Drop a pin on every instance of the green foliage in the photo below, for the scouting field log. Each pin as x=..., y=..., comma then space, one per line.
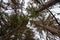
x=29, y=35
x=44, y=18
x=14, y=26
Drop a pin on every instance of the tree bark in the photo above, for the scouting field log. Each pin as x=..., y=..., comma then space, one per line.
x=47, y=5
x=54, y=31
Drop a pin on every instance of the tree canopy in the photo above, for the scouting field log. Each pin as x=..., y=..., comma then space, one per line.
x=13, y=26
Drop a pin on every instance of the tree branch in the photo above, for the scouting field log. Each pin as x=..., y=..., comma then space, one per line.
x=54, y=17
x=47, y=5
x=50, y=29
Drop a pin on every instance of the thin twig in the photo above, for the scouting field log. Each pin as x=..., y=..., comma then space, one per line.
x=54, y=17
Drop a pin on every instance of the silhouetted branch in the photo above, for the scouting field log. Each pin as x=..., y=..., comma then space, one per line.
x=54, y=17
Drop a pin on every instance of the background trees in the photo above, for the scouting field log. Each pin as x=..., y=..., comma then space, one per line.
x=14, y=26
